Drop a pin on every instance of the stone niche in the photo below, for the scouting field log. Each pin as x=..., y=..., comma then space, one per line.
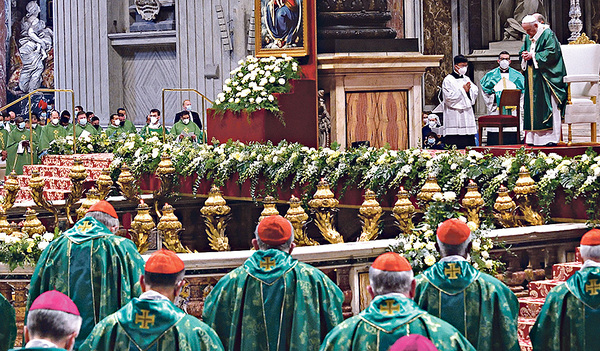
x=152, y=15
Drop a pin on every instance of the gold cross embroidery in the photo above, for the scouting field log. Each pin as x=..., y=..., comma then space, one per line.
x=85, y=226
x=144, y=319
x=390, y=307
x=23, y=137
x=452, y=271
x=55, y=133
x=267, y=263
x=592, y=287
x=186, y=130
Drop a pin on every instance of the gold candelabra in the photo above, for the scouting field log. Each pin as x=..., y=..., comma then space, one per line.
x=504, y=208
x=472, y=203
x=92, y=196
x=78, y=175
x=32, y=225
x=370, y=217
x=104, y=183
x=11, y=189
x=324, y=206
x=36, y=189
x=269, y=208
x=298, y=217
x=525, y=191
x=429, y=189
x=165, y=173
x=141, y=226
x=169, y=228
x=216, y=214
x=404, y=211
x=4, y=225
x=127, y=185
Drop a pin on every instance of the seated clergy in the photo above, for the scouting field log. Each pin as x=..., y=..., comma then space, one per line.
x=152, y=321
x=570, y=316
x=392, y=314
x=480, y=306
x=98, y=270
x=185, y=129
x=273, y=301
x=498, y=79
x=154, y=127
x=83, y=126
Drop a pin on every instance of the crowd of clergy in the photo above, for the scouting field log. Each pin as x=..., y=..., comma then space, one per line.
x=23, y=140
x=92, y=290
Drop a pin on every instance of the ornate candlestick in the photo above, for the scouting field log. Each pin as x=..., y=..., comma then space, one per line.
x=104, y=183
x=505, y=208
x=141, y=226
x=127, y=185
x=169, y=228
x=216, y=214
x=370, y=216
x=472, y=203
x=36, y=189
x=298, y=217
x=575, y=23
x=11, y=189
x=269, y=208
x=404, y=211
x=165, y=173
x=429, y=189
x=78, y=174
x=91, y=197
x=32, y=225
x=4, y=225
x=525, y=190
x=323, y=206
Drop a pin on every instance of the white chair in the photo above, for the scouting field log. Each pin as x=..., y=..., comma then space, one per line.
x=583, y=77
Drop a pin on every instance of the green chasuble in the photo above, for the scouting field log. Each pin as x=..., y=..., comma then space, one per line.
x=151, y=325
x=129, y=127
x=88, y=127
x=99, y=271
x=490, y=79
x=39, y=349
x=480, y=306
x=49, y=133
x=3, y=138
x=570, y=317
x=13, y=159
x=147, y=132
x=543, y=82
x=113, y=131
x=388, y=318
x=186, y=130
x=273, y=302
x=8, y=326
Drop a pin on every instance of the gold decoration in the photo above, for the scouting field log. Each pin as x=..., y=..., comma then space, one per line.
x=104, y=183
x=32, y=225
x=324, y=205
x=429, y=189
x=403, y=211
x=91, y=197
x=583, y=39
x=525, y=191
x=298, y=217
x=165, y=173
x=4, y=225
x=127, y=185
x=270, y=208
x=11, y=189
x=169, y=228
x=141, y=226
x=505, y=208
x=78, y=174
x=36, y=189
x=472, y=203
x=216, y=214
x=370, y=216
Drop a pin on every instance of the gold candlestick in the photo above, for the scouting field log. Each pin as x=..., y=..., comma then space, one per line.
x=104, y=183
x=78, y=174
x=165, y=172
x=92, y=196
x=370, y=216
x=269, y=208
x=141, y=226
x=169, y=228
x=32, y=225
x=11, y=189
x=323, y=206
x=429, y=189
x=4, y=225
x=127, y=185
x=216, y=214
x=472, y=203
x=36, y=189
x=505, y=208
x=404, y=212
x=525, y=191
x=298, y=217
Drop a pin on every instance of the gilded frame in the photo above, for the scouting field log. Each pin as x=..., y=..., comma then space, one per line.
x=265, y=39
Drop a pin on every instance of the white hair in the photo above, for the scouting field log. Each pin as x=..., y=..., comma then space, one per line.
x=104, y=218
x=283, y=247
x=449, y=250
x=52, y=325
x=529, y=19
x=384, y=282
x=589, y=252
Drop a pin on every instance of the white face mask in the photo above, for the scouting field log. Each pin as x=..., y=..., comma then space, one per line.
x=462, y=71
x=188, y=107
x=432, y=124
x=83, y=121
x=55, y=121
x=153, y=120
x=34, y=125
x=117, y=122
x=504, y=64
x=21, y=125
x=430, y=141
x=185, y=120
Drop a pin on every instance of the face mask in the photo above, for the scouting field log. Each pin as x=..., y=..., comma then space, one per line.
x=55, y=121
x=504, y=64
x=117, y=122
x=21, y=125
x=43, y=114
x=153, y=120
x=188, y=108
x=34, y=125
x=430, y=141
x=462, y=71
x=83, y=121
x=432, y=124
x=185, y=121
x=97, y=127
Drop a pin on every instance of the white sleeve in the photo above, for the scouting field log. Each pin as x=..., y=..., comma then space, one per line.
x=453, y=97
x=474, y=92
x=490, y=101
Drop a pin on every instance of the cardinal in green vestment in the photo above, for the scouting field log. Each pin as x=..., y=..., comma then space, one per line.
x=51, y=131
x=19, y=147
x=545, y=90
x=152, y=321
x=498, y=79
x=98, y=270
x=8, y=326
x=570, y=316
x=480, y=306
x=392, y=314
x=273, y=301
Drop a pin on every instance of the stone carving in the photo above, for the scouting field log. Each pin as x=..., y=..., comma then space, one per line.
x=34, y=46
x=149, y=9
x=324, y=121
x=511, y=12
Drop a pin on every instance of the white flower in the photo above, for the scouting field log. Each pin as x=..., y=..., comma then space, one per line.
x=227, y=89
x=453, y=166
x=407, y=247
x=475, y=154
x=429, y=260
x=11, y=239
x=271, y=98
x=155, y=153
x=418, y=245
x=475, y=265
x=429, y=164
x=476, y=245
x=259, y=100
x=3, y=237
x=488, y=264
x=227, y=81
x=271, y=79
x=462, y=219
x=438, y=197
x=430, y=246
x=449, y=196
x=472, y=226
x=42, y=245
x=485, y=254
x=428, y=233
x=281, y=81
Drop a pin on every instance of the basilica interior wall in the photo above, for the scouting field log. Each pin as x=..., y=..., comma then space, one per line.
x=437, y=40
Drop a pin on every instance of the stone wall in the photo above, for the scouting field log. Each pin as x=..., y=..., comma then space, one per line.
x=595, y=34
x=437, y=40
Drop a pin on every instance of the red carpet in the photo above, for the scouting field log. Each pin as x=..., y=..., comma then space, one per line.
x=562, y=150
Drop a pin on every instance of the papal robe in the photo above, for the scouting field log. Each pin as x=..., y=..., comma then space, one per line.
x=17, y=154
x=388, y=318
x=544, y=75
x=147, y=132
x=459, y=118
x=98, y=270
x=570, y=317
x=494, y=81
x=49, y=133
x=156, y=324
x=480, y=306
x=8, y=326
x=187, y=130
x=273, y=302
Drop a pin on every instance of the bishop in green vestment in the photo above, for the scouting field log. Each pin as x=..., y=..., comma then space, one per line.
x=184, y=129
x=273, y=302
x=154, y=127
x=19, y=147
x=51, y=131
x=570, y=316
x=480, y=306
x=392, y=314
x=98, y=270
x=545, y=90
x=8, y=326
x=498, y=79
x=152, y=321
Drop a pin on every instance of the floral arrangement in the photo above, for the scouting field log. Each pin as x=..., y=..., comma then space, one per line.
x=19, y=250
x=254, y=84
x=85, y=145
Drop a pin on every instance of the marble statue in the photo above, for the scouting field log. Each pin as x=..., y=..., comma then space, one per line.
x=34, y=45
x=511, y=12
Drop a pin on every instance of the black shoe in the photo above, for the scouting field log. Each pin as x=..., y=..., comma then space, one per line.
x=550, y=144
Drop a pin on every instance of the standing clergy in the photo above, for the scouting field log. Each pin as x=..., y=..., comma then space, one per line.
x=51, y=131
x=459, y=95
x=98, y=270
x=570, y=316
x=127, y=126
x=392, y=314
x=8, y=326
x=152, y=321
x=480, y=306
x=83, y=126
x=273, y=301
x=498, y=79
x=184, y=129
x=545, y=90
x=19, y=147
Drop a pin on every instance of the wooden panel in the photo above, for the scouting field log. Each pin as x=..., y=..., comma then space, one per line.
x=379, y=117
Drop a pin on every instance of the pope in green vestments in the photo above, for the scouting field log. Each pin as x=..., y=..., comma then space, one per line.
x=273, y=301
x=8, y=326
x=18, y=154
x=98, y=270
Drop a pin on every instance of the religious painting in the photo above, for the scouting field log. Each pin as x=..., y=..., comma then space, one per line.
x=281, y=27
